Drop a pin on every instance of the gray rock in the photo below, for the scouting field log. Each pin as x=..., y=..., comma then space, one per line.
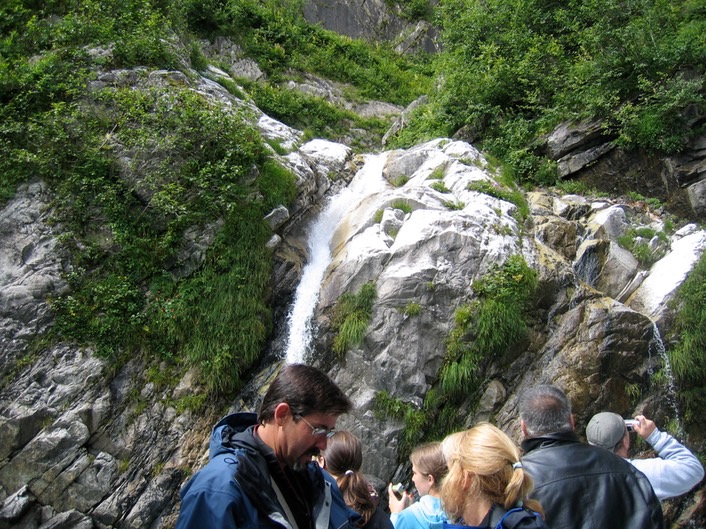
x=570, y=137
x=14, y=507
x=277, y=217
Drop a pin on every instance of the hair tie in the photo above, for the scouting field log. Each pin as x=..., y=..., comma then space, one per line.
x=517, y=465
x=349, y=472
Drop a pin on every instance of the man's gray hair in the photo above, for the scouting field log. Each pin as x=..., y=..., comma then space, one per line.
x=545, y=409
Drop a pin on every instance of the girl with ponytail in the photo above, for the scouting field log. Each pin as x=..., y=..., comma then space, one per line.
x=486, y=486
x=343, y=459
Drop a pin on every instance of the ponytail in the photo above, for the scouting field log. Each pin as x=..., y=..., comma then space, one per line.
x=343, y=459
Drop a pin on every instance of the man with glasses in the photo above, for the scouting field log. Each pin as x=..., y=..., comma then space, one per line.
x=261, y=471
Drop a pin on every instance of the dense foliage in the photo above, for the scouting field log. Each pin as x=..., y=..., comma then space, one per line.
x=510, y=71
x=513, y=69
x=687, y=353
x=141, y=168
x=276, y=35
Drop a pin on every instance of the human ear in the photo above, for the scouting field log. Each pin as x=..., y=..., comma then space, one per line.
x=282, y=411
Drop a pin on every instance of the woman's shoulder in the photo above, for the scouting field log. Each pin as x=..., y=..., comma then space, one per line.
x=379, y=520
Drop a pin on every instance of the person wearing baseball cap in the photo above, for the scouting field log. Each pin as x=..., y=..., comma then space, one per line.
x=673, y=473
x=578, y=485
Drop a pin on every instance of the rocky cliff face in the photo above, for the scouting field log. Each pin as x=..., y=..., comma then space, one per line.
x=372, y=20
x=85, y=444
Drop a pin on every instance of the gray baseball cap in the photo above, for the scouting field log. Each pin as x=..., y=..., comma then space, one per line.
x=605, y=429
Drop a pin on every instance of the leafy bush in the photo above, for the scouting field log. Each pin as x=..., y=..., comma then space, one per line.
x=687, y=355
x=386, y=406
x=637, y=241
x=400, y=181
x=195, y=165
x=438, y=173
x=484, y=329
x=440, y=187
x=276, y=33
x=512, y=70
x=412, y=309
x=512, y=195
x=413, y=9
x=454, y=205
x=352, y=316
x=402, y=204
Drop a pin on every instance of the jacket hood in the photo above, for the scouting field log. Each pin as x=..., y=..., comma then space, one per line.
x=223, y=435
x=430, y=510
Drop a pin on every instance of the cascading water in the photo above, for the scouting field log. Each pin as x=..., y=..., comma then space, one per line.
x=657, y=345
x=299, y=319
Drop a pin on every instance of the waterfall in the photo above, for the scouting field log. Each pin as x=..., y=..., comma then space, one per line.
x=299, y=318
x=656, y=344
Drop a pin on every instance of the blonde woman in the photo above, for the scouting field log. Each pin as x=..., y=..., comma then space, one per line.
x=428, y=469
x=486, y=486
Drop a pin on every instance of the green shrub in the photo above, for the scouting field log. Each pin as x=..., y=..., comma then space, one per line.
x=400, y=181
x=440, y=187
x=413, y=9
x=455, y=205
x=484, y=329
x=200, y=173
x=351, y=318
x=513, y=70
x=636, y=240
x=687, y=355
x=573, y=187
x=276, y=33
x=412, y=309
x=415, y=420
x=437, y=174
x=385, y=406
x=403, y=205
x=299, y=110
x=511, y=194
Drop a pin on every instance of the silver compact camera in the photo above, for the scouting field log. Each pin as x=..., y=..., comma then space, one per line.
x=630, y=424
x=398, y=490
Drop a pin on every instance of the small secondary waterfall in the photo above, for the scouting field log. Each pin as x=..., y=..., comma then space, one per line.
x=299, y=319
x=657, y=345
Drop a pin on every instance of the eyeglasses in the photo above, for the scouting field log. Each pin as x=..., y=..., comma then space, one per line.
x=318, y=432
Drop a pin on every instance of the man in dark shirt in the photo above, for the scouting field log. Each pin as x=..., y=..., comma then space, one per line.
x=580, y=486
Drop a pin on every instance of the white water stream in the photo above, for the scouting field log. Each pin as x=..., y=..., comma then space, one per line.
x=656, y=344
x=299, y=320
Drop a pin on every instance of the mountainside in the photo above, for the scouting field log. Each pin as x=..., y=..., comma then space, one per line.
x=165, y=192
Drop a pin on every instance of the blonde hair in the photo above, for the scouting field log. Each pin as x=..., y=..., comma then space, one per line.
x=482, y=464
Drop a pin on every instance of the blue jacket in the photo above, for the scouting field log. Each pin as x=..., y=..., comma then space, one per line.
x=234, y=490
x=499, y=518
x=423, y=514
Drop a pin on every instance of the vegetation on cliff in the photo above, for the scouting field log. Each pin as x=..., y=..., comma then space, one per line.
x=138, y=165
x=483, y=331
x=510, y=71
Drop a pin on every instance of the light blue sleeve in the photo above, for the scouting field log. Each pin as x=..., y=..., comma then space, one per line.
x=676, y=470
